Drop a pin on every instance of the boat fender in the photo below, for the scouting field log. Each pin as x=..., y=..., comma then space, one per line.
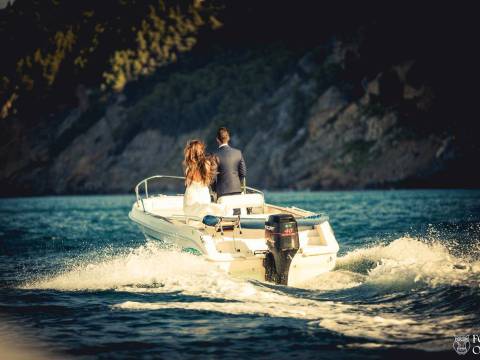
x=211, y=220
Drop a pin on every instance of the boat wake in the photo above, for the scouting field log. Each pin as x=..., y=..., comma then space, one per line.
x=404, y=264
x=387, y=293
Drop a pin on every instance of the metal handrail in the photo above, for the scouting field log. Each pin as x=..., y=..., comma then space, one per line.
x=144, y=182
x=255, y=190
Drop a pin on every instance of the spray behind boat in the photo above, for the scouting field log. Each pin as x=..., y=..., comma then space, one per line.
x=281, y=233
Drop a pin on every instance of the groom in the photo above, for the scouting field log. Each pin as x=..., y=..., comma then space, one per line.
x=231, y=166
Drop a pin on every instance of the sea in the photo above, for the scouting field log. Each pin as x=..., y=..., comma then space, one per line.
x=78, y=280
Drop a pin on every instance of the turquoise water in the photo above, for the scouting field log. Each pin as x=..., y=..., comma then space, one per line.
x=79, y=278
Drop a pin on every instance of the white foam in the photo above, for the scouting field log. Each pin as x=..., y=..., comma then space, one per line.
x=334, y=280
x=149, y=268
x=404, y=264
x=408, y=263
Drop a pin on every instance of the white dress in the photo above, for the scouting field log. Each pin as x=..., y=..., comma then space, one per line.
x=197, y=202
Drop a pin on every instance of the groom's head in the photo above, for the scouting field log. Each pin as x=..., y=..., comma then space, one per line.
x=223, y=136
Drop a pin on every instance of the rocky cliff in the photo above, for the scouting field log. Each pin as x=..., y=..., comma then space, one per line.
x=341, y=114
x=297, y=134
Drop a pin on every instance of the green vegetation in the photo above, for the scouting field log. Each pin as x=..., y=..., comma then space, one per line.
x=87, y=119
x=359, y=151
x=107, y=43
x=326, y=75
x=219, y=93
x=374, y=109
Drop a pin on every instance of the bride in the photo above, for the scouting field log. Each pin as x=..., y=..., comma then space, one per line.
x=200, y=170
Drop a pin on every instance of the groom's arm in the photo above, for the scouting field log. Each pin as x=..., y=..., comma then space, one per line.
x=242, y=168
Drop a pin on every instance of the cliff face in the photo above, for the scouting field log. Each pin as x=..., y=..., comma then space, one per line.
x=297, y=117
x=341, y=143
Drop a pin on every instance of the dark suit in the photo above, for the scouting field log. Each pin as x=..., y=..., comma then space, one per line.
x=231, y=171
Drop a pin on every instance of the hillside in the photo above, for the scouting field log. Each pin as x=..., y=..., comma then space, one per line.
x=349, y=109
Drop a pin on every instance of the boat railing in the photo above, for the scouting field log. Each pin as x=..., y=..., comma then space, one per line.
x=142, y=192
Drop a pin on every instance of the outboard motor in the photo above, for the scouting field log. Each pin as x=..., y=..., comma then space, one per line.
x=281, y=232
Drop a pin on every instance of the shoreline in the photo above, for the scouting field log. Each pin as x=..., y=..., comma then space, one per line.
x=272, y=191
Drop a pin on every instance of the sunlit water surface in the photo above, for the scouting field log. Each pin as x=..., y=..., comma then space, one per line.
x=79, y=278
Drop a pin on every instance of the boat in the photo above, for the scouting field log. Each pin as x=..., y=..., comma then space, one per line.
x=252, y=240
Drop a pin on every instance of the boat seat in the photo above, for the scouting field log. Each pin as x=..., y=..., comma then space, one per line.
x=164, y=202
x=244, y=202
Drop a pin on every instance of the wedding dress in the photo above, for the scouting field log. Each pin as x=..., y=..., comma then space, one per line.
x=197, y=202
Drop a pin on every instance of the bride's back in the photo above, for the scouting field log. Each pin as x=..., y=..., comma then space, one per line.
x=198, y=166
x=196, y=193
x=199, y=173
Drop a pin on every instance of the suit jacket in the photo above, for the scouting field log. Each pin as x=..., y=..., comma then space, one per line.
x=231, y=171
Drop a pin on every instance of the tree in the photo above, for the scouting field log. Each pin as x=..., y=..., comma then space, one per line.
x=50, y=46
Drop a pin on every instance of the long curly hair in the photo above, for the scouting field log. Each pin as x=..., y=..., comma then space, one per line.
x=197, y=164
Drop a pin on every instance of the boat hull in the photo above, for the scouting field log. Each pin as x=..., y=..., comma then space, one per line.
x=308, y=262
x=161, y=229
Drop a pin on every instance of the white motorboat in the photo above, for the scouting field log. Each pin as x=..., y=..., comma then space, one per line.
x=254, y=240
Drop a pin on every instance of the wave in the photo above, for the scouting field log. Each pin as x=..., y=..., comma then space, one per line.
x=150, y=267
x=409, y=263
x=406, y=264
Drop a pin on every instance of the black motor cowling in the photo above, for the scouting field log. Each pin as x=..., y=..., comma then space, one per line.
x=281, y=233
